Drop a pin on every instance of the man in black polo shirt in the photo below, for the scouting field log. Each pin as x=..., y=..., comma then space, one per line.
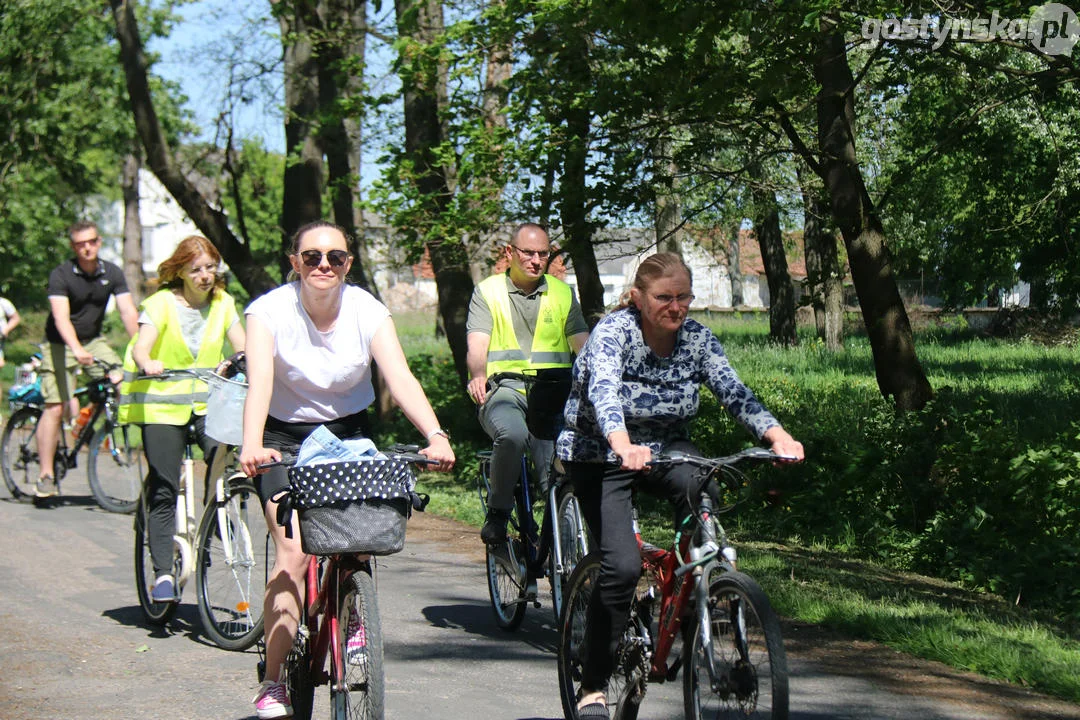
x=79, y=291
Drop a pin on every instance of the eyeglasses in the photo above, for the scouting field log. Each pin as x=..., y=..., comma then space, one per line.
x=685, y=299
x=313, y=258
x=204, y=270
x=538, y=254
x=79, y=244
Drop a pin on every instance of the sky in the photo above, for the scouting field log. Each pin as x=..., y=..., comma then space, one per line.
x=213, y=35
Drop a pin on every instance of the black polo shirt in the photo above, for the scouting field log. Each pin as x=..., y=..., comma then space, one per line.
x=88, y=295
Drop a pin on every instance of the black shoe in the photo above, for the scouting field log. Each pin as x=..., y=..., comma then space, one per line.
x=494, y=530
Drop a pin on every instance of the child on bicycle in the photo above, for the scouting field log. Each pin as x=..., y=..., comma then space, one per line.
x=311, y=344
x=183, y=325
x=635, y=389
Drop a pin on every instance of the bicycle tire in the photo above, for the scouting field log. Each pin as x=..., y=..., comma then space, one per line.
x=155, y=613
x=296, y=673
x=756, y=678
x=116, y=476
x=624, y=687
x=362, y=694
x=573, y=541
x=230, y=591
x=507, y=575
x=18, y=452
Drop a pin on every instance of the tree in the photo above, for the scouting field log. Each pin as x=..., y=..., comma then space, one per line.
x=420, y=24
x=210, y=220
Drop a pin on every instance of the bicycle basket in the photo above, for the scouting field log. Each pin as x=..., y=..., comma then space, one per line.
x=26, y=394
x=225, y=410
x=352, y=507
x=545, y=402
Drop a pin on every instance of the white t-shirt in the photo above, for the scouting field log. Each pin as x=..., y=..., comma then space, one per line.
x=318, y=376
x=6, y=310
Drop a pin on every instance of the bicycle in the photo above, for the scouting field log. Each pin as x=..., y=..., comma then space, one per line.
x=533, y=550
x=736, y=665
x=338, y=585
x=227, y=546
x=114, y=481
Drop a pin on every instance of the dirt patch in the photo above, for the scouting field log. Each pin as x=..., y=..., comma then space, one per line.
x=838, y=654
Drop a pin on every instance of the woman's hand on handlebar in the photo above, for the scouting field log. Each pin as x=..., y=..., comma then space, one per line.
x=632, y=457
x=153, y=367
x=781, y=443
x=251, y=459
x=440, y=451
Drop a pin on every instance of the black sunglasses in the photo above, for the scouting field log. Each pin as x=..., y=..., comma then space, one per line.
x=313, y=258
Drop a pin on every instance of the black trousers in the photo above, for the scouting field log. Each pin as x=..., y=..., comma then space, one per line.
x=164, y=446
x=608, y=511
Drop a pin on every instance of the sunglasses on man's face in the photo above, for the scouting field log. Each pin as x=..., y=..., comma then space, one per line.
x=313, y=258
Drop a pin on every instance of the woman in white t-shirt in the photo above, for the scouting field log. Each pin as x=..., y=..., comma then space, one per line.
x=310, y=347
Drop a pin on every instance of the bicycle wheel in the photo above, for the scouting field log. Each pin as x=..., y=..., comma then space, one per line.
x=360, y=696
x=747, y=652
x=19, y=454
x=116, y=467
x=155, y=613
x=296, y=673
x=573, y=544
x=507, y=577
x=627, y=683
x=229, y=585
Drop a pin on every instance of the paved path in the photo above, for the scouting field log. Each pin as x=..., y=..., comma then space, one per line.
x=73, y=645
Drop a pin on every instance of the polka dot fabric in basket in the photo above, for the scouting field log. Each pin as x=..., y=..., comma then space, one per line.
x=329, y=483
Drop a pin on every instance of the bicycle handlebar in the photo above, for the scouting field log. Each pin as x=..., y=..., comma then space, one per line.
x=755, y=454
x=167, y=374
x=407, y=453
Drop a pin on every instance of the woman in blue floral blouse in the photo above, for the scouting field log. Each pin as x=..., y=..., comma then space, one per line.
x=636, y=387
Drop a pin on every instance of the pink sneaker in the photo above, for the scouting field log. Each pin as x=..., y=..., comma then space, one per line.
x=356, y=645
x=272, y=701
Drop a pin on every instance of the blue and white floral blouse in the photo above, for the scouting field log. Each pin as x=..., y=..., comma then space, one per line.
x=619, y=383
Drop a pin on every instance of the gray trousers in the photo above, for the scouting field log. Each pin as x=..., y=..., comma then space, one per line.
x=503, y=418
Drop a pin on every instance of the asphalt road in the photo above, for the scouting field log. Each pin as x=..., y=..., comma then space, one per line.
x=73, y=643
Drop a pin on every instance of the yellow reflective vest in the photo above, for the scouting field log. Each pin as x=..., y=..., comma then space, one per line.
x=550, y=347
x=164, y=401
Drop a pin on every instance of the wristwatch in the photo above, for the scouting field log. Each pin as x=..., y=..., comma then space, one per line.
x=437, y=431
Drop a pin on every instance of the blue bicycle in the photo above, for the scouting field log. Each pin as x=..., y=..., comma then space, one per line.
x=549, y=547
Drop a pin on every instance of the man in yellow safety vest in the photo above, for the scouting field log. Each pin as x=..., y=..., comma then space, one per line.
x=519, y=321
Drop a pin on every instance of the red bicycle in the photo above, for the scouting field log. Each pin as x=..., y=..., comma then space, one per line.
x=339, y=588
x=732, y=649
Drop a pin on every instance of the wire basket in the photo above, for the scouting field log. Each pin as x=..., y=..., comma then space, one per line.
x=225, y=409
x=352, y=507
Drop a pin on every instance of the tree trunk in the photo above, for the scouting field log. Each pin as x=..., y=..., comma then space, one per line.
x=340, y=57
x=133, y=251
x=417, y=20
x=575, y=222
x=823, y=276
x=734, y=256
x=771, y=241
x=668, y=220
x=303, y=178
x=208, y=219
x=899, y=374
